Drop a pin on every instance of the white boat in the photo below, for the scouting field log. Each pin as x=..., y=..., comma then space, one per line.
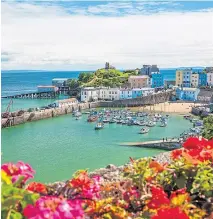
x=144, y=130
x=99, y=125
x=151, y=124
x=163, y=124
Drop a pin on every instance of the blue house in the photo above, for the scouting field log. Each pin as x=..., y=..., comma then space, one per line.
x=125, y=94
x=136, y=92
x=189, y=94
x=187, y=77
x=157, y=80
x=202, y=79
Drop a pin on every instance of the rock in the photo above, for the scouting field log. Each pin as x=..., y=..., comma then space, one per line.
x=111, y=167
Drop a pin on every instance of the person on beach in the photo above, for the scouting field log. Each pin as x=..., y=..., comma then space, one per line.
x=163, y=139
x=166, y=139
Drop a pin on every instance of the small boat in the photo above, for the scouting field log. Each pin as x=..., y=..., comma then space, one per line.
x=112, y=121
x=99, y=125
x=106, y=120
x=151, y=124
x=144, y=130
x=163, y=124
x=92, y=118
x=77, y=114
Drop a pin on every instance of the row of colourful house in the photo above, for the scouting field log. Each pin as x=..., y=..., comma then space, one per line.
x=107, y=93
x=194, y=94
x=189, y=78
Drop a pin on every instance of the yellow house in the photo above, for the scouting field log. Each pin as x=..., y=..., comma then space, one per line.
x=179, y=78
x=194, y=79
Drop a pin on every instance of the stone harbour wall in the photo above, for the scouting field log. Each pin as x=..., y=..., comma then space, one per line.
x=146, y=100
x=16, y=119
x=45, y=114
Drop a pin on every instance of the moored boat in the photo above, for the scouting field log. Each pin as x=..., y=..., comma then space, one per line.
x=144, y=130
x=92, y=118
x=99, y=125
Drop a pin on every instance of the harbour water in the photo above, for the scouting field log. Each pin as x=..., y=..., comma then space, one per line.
x=57, y=147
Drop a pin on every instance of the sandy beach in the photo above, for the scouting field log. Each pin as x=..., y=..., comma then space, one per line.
x=168, y=107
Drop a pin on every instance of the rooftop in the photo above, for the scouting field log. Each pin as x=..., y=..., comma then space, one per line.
x=139, y=76
x=60, y=79
x=46, y=86
x=188, y=89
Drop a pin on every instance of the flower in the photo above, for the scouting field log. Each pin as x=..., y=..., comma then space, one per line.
x=18, y=170
x=5, y=178
x=54, y=207
x=170, y=213
x=159, y=198
x=86, y=186
x=37, y=187
x=192, y=143
x=176, y=154
x=156, y=166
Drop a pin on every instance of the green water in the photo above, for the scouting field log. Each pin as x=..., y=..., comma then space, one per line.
x=59, y=146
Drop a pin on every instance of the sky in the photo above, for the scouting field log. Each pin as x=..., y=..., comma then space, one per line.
x=83, y=35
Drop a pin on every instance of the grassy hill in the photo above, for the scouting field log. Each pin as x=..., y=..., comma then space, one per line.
x=101, y=77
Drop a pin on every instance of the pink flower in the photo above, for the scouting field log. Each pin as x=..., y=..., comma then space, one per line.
x=54, y=208
x=18, y=170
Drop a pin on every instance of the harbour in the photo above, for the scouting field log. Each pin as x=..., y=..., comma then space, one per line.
x=69, y=144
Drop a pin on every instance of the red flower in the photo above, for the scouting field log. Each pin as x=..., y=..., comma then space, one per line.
x=192, y=143
x=155, y=165
x=178, y=192
x=37, y=187
x=170, y=213
x=159, y=198
x=176, y=154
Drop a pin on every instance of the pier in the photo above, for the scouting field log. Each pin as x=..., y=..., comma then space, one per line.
x=170, y=144
x=34, y=95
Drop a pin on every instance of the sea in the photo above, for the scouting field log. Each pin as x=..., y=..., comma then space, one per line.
x=57, y=147
x=18, y=82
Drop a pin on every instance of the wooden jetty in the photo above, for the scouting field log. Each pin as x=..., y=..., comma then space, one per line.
x=170, y=144
x=34, y=95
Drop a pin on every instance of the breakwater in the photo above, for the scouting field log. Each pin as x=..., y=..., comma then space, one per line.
x=17, y=118
x=34, y=95
x=169, y=144
x=21, y=117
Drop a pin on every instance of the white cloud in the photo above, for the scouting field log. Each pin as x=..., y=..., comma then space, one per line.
x=36, y=37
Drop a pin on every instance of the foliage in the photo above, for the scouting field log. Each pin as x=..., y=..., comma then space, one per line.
x=208, y=127
x=101, y=77
x=181, y=189
x=73, y=83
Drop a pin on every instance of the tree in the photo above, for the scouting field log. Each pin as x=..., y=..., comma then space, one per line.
x=208, y=127
x=73, y=83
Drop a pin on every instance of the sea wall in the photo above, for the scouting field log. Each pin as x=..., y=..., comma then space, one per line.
x=44, y=114
x=146, y=100
x=15, y=118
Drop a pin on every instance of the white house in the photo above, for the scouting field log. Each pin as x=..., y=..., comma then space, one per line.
x=146, y=91
x=210, y=78
x=89, y=94
x=194, y=79
x=109, y=93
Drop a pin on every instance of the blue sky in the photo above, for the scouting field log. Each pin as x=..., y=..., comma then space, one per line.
x=85, y=34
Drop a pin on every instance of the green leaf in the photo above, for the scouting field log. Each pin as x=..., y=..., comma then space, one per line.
x=11, y=201
x=181, y=182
